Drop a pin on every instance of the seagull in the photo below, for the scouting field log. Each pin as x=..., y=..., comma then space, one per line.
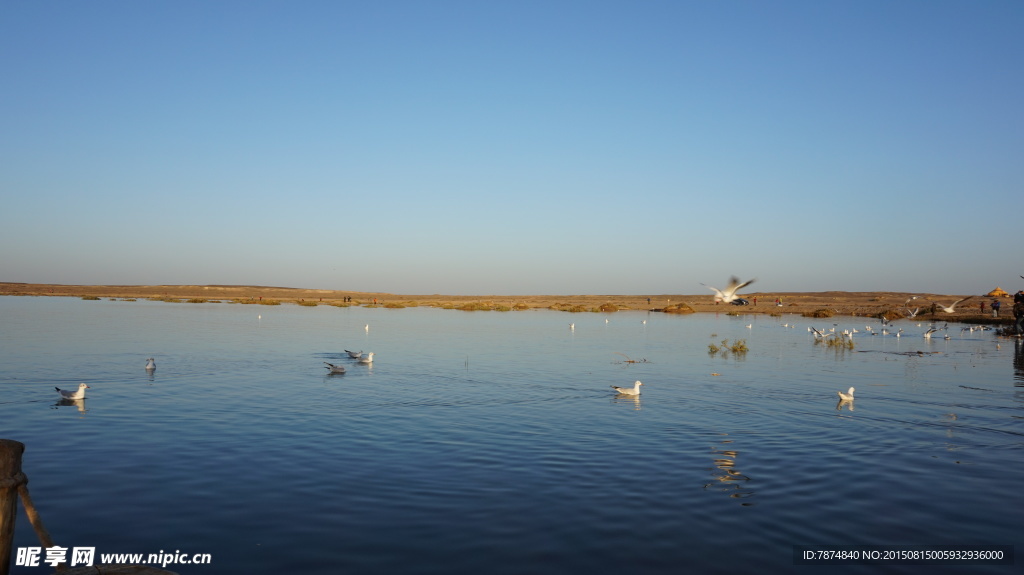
x=931, y=330
x=635, y=390
x=913, y=314
x=818, y=334
x=952, y=305
x=572, y=327
x=367, y=328
x=729, y=294
x=334, y=368
x=80, y=394
x=150, y=364
x=848, y=396
x=354, y=354
x=368, y=358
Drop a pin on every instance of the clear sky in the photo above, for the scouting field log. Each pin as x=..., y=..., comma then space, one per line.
x=514, y=147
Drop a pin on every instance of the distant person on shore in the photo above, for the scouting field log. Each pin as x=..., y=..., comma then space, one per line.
x=755, y=300
x=982, y=304
x=995, y=308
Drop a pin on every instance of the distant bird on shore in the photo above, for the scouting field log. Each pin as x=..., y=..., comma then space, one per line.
x=150, y=364
x=331, y=368
x=729, y=293
x=635, y=390
x=848, y=396
x=368, y=358
x=951, y=307
x=354, y=354
x=79, y=394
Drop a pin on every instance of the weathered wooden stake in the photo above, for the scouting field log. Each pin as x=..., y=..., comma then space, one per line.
x=10, y=478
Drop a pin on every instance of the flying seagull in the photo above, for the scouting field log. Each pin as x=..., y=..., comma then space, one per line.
x=635, y=390
x=729, y=293
x=952, y=305
x=67, y=394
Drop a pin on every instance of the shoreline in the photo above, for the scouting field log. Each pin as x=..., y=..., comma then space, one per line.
x=868, y=304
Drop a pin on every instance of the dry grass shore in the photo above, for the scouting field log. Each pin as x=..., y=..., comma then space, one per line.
x=822, y=304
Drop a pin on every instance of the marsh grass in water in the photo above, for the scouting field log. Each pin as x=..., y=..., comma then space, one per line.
x=836, y=342
x=738, y=347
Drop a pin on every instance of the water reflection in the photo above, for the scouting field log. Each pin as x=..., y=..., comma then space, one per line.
x=1018, y=362
x=847, y=403
x=64, y=402
x=627, y=399
x=728, y=479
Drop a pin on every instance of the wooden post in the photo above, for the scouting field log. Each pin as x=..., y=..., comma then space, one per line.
x=10, y=478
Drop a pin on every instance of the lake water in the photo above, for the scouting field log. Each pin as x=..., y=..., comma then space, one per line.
x=490, y=442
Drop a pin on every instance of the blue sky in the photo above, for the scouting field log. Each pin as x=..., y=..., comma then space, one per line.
x=527, y=147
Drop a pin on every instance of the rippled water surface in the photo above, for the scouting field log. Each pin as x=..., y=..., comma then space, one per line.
x=489, y=442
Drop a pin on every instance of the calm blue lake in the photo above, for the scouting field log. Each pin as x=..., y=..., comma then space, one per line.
x=489, y=442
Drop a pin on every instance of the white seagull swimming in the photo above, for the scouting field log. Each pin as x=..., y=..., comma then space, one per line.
x=331, y=368
x=80, y=394
x=354, y=354
x=635, y=390
x=368, y=358
x=952, y=305
x=848, y=396
x=150, y=364
x=729, y=293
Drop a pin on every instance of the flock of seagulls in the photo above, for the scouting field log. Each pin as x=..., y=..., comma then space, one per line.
x=727, y=295
x=359, y=356
x=928, y=333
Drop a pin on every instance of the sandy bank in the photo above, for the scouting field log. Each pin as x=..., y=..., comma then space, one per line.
x=838, y=302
